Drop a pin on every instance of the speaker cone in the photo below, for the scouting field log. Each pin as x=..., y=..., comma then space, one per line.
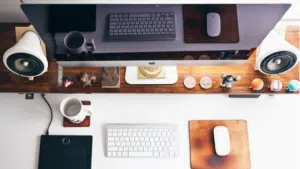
x=278, y=62
x=25, y=64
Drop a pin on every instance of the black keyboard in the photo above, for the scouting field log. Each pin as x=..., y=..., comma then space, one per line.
x=154, y=26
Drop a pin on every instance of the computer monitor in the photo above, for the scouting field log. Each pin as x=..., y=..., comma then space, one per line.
x=54, y=21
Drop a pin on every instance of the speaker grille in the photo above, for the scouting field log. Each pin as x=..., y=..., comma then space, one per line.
x=278, y=62
x=25, y=64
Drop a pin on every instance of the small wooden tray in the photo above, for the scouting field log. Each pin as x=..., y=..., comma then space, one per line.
x=202, y=145
x=194, y=17
x=74, y=72
x=85, y=123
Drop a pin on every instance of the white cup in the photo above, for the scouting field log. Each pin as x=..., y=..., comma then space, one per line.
x=74, y=110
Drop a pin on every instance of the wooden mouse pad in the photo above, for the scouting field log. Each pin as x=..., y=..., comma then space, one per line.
x=202, y=148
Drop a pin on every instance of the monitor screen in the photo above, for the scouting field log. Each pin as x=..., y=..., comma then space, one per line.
x=63, y=26
x=66, y=18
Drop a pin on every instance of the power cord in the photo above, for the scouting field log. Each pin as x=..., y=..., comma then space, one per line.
x=51, y=113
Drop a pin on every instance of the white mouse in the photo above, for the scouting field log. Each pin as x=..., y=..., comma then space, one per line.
x=222, y=140
x=213, y=23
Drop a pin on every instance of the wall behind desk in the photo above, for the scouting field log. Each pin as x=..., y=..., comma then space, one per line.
x=10, y=11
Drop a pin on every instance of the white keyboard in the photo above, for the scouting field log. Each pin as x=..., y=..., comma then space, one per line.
x=142, y=140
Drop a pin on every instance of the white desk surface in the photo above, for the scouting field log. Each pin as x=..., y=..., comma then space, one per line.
x=273, y=124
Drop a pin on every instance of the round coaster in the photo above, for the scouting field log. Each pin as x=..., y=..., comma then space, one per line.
x=204, y=57
x=188, y=57
x=189, y=82
x=206, y=82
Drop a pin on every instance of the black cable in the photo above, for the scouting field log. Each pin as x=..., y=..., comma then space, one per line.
x=51, y=113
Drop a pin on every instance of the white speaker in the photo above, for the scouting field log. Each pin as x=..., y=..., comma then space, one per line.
x=275, y=55
x=26, y=58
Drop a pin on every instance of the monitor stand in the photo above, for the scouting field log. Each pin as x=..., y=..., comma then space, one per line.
x=171, y=76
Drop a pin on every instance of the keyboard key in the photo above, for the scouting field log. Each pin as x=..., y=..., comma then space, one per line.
x=125, y=154
x=111, y=144
x=140, y=15
x=140, y=154
x=138, y=144
x=112, y=148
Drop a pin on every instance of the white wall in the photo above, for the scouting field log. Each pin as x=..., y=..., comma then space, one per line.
x=294, y=11
x=10, y=11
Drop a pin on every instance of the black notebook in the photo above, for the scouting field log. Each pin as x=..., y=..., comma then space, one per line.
x=65, y=152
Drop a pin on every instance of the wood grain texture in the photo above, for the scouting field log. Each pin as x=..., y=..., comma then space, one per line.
x=48, y=82
x=202, y=148
x=195, y=31
x=85, y=123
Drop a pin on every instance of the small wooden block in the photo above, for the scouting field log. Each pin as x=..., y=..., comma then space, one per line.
x=109, y=83
x=161, y=75
x=85, y=123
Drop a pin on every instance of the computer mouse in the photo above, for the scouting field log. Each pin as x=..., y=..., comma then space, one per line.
x=222, y=140
x=213, y=24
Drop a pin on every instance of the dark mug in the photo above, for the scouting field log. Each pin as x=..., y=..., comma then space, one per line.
x=75, y=43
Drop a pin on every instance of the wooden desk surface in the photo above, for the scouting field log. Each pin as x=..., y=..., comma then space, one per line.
x=49, y=81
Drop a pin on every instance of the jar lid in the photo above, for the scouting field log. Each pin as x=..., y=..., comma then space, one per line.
x=206, y=82
x=190, y=82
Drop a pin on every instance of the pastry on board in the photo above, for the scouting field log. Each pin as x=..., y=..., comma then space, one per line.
x=151, y=71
